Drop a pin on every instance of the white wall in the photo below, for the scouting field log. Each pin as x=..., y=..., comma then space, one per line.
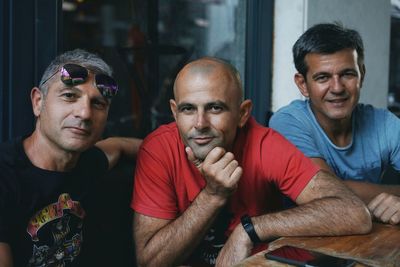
x=371, y=18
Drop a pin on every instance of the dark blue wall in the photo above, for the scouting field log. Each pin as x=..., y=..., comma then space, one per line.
x=29, y=40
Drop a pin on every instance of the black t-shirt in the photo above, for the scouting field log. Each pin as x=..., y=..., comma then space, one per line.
x=42, y=212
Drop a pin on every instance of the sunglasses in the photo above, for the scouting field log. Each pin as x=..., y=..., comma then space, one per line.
x=73, y=74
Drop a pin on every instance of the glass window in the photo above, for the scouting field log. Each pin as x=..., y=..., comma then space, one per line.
x=147, y=42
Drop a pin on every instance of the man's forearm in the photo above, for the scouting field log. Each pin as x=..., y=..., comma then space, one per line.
x=368, y=191
x=326, y=207
x=130, y=146
x=173, y=243
x=364, y=190
x=5, y=255
x=117, y=147
x=318, y=218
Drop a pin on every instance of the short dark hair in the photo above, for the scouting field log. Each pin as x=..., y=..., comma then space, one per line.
x=326, y=38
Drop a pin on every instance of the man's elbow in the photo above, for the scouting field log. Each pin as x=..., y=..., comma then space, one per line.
x=362, y=219
x=142, y=261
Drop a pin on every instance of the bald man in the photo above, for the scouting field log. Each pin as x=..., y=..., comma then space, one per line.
x=207, y=187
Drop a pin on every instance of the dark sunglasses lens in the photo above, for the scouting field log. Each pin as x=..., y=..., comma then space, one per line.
x=107, y=85
x=72, y=74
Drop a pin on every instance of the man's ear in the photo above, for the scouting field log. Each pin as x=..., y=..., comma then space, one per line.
x=245, y=112
x=173, y=107
x=363, y=71
x=301, y=84
x=37, y=99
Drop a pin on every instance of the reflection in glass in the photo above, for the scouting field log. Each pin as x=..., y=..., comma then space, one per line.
x=147, y=43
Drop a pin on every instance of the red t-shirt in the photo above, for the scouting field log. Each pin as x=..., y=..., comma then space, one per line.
x=166, y=182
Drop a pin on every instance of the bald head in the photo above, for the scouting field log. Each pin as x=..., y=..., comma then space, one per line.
x=208, y=107
x=210, y=68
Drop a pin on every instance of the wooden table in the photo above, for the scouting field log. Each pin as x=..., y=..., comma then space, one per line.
x=380, y=248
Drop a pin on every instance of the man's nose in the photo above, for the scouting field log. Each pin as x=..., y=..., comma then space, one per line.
x=201, y=120
x=83, y=108
x=336, y=84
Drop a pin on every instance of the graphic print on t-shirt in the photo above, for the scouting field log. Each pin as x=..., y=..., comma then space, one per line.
x=56, y=233
x=215, y=239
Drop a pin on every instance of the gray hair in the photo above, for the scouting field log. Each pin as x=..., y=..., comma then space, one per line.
x=78, y=56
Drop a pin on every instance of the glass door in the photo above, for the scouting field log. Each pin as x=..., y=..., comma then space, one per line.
x=147, y=43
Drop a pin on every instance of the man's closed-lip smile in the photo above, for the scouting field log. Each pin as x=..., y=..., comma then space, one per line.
x=79, y=131
x=202, y=140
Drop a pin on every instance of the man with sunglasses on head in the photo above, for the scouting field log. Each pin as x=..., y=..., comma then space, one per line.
x=355, y=141
x=45, y=177
x=208, y=187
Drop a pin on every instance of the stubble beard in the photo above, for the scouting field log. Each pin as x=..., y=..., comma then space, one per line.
x=201, y=151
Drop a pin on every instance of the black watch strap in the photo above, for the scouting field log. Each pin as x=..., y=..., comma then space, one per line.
x=249, y=228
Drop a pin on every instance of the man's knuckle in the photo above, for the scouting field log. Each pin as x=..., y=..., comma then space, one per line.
x=230, y=155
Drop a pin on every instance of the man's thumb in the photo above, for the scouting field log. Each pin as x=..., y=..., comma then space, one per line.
x=192, y=157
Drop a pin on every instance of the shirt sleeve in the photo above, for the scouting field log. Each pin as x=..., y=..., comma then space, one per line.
x=298, y=132
x=6, y=205
x=290, y=169
x=94, y=159
x=154, y=193
x=392, y=129
x=9, y=189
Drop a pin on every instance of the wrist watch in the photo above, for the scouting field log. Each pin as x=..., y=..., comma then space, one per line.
x=249, y=228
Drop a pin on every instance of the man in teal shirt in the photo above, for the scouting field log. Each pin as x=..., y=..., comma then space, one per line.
x=357, y=142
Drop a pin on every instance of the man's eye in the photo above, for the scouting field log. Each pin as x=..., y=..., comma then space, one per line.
x=350, y=74
x=99, y=104
x=321, y=78
x=186, y=109
x=69, y=95
x=216, y=109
